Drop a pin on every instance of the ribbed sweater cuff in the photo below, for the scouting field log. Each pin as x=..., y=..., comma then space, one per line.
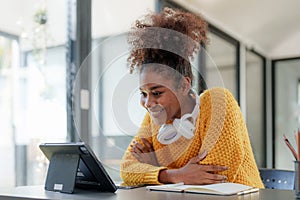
x=152, y=177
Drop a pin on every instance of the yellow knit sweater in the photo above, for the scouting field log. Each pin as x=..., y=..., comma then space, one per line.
x=220, y=129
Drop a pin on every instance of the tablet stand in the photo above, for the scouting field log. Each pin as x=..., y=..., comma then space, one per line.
x=62, y=172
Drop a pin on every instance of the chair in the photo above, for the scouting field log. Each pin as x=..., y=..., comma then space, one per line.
x=277, y=178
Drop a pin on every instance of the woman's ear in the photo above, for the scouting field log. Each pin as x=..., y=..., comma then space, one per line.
x=186, y=85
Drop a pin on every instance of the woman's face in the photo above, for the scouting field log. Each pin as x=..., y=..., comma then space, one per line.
x=160, y=97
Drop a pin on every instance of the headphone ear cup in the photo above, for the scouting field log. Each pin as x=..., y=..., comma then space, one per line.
x=187, y=130
x=167, y=134
x=184, y=127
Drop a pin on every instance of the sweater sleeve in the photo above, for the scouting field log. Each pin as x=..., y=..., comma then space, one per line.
x=134, y=172
x=232, y=147
x=222, y=137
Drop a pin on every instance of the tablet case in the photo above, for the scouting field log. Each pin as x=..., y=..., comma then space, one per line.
x=74, y=165
x=62, y=172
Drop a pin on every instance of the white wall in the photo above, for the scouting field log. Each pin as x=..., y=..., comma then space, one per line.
x=289, y=47
x=269, y=27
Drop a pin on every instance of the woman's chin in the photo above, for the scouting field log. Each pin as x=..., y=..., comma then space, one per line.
x=158, y=121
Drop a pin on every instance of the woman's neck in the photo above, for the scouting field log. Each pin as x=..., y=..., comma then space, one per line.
x=188, y=104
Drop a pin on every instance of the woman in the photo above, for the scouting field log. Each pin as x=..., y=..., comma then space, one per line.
x=183, y=137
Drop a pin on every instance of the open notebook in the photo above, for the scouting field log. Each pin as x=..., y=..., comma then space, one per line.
x=215, y=189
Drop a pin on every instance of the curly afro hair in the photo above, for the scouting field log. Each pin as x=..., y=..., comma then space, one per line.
x=171, y=38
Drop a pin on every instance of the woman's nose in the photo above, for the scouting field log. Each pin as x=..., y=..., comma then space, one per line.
x=147, y=102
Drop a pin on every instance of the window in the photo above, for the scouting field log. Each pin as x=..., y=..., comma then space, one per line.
x=116, y=96
x=255, y=106
x=222, y=54
x=286, y=75
x=32, y=93
x=8, y=50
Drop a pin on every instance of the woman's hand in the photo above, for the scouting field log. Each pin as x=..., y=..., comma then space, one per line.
x=194, y=173
x=144, y=152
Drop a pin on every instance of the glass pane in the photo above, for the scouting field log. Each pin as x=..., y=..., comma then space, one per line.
x=115, y=92
x=8, y=49
x=287, y=110
x=44, y=91
x=32, y=91
x=221, y=60
x=255, y=106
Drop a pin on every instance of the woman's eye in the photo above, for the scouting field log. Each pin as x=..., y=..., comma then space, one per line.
x=143, y=94
x=156, y=93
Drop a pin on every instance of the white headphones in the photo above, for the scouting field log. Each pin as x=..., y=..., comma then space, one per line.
x=185, y=126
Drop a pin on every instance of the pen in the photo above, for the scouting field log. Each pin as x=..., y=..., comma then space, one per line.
x=296, y=138
x=298, y=143
x=290, y=147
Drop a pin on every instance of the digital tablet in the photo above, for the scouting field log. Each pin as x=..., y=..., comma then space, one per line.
x=74, y=165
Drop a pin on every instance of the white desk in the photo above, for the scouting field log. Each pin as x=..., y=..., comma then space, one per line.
x=38, y=192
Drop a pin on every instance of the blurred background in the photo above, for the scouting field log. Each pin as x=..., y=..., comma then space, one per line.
x=47, y=46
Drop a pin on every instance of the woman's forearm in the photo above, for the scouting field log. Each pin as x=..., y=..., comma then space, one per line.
x=169, y=176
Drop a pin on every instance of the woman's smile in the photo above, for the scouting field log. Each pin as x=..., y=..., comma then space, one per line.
x=156, y=113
